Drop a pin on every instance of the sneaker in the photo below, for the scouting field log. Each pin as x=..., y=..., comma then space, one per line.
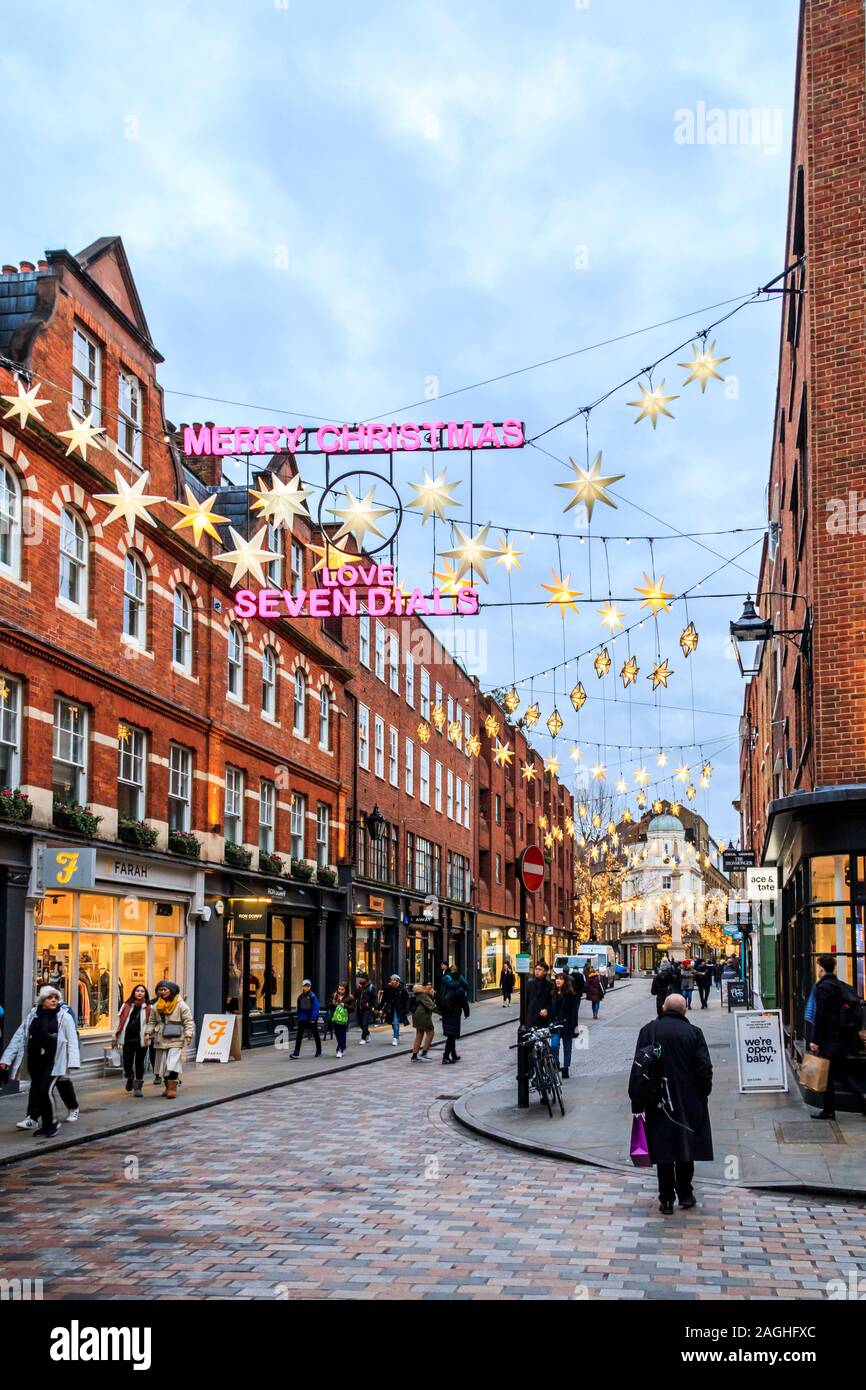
x=294, y=1056
x=338, y=1053
x=823, y=1115
x=666, y=1208
x=686, y=1202
x=28, y=1123
x=47, y=1133
x=72, y=1116
x=128, y=1086
x=395, y=1042
x=362, y=1042
x=422, y=1057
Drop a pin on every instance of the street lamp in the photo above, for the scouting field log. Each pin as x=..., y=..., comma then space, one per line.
x=748, y=634
x=376, y=825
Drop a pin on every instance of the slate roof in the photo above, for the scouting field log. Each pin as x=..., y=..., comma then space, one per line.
x=17, y=301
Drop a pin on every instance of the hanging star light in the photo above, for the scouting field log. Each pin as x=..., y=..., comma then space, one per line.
x=511, y=701
x=531, y=715
x=548, y=841
x=658, y=807
x=653, y=403
x=641, y=776
x=471, y=552
x=689, y=638
x=691, y=791
x=707, y=770
x=562, y=593
x=450, y=582
x=558, y=833
x=599, y=772
x=611, y=616
x=610, y=828
x=4, y=690
x=675, y=808
x=249, y=556
x=641, y=799
x=508, y=555
x=25, y=404
x=682, y=773
x=473, y=745
x=662, y=759
x=596, y=820
x=434, y=495
x=359, y=517
x=622, y=785
x=331, y=557
x=503, y=754
x=197, y=515
x=578, y=696
x=543, y=822
x=455, y=732
x=424, y=731
x=576, y=753
x=660, y=674
x=283, y=502
x=528, y=772
x=705, y=782
x=655, y=595
x=629, y=673
x=602, y=663
x=123, y=732
x=589, y=486
x=703, y=365
x=491, y=726
x=569, y=826
x=554, y=723
x=721, y=846
x=583, y=809
x=129, y=502
x=627, y=816
x=437, y=714
x=82, y=435
x=551, y=765
x=593, y=854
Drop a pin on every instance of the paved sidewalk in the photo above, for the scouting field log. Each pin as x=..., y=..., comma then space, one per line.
x=107, y=1109
x=766, y=1141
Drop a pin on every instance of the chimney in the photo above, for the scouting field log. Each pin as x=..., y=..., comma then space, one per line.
x=41, y=265
x=27, y=265
x=206, y=467
x=10, y=270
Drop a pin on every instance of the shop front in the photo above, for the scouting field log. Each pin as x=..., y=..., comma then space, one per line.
x=375, y=937
x=423, y=949
x=498, y=941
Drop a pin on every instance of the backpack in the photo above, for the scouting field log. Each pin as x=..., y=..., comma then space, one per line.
x=645, y=1082
x=850, y=1016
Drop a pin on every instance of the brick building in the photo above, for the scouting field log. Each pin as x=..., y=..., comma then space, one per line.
x=803, y=775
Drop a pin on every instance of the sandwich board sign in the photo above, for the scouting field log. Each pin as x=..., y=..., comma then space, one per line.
x=760, y=1050
x=220, y=1039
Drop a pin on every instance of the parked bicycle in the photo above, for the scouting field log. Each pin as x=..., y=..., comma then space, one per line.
x=543, y=1067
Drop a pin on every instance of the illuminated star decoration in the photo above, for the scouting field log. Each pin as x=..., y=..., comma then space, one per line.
x=622, y=785
x=331, y=557
x=660, y=674
x=531, y=715
x=508, y=555
x=455, y=732
x=691, y=791
x=629, y=673
x=82, y=435
x=611, y=616
x=249, y=556
x=662, y=759
x=548, y=841
x=657, y=807
x=424, y=731
x=528, y=772
x=641, y=776
x=359, y=516
x=562, y=593
x=578, y=696
x=602, y=663
x=123, y=732
x=437, y=714
x=473, y=745
x=689, y=638
x=491, y=726
x=503, y=754
x=471, y=552
x=703, y=366
x=197, y=515
x=551, y=765
x=682, y=773
x=554, y=723
x=599, y=772
x=707, y=770
x=511, y=701
x=283, y=502
x=129, y=502
x=433, y=495
x=4, y=689
x=589, y=486
x=627, y=816
x=25, y=404
x=675, y=808
x=655, y=595
x=576, y=752
x=641, y=799
x=653, y=403
x=449, y=581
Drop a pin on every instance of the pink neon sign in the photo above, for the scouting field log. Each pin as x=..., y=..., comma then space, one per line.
x=339, y=594
x=343, y=439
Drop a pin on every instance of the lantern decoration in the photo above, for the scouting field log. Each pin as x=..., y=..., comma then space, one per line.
x=596, y=821
x=611, y=616
x=511, y=701
x=629, y=673
x=578, y=696
x=569, y=826
x=455, y=732
x=508, y=555
x=554, y=723
x=562, y=594
x=25, y=404
x=583, y=809
x=622, y=785
x=531, y=715
x=641, y=799
x=658, y=807
x=433, y=495
x=627, y=817
x=675, y=808
x=558, y=833
x=123, y=733
x=437, y=714
x=641, y=776
x=655, y=595
x=548, y=841
x=707, y=770
x=471, y=552
x=544, y=822
x=473, y=745
x=576, y=753
x=691, y=791
x=689, y=638
x=660, y=674
x=491, y=726
x=682, y=773
x=551, y=765
x=662, y=759
x=602, y=663
x=424, y=731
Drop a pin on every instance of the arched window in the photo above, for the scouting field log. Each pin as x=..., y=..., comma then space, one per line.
x=135, y=598
x=73, y=559
x=325, y=718
x=182, y=629
x=236, y=662
x=10, y=521
x=269, y=683
x=300, y=721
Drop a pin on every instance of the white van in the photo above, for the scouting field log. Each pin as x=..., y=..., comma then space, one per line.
x=603, y=959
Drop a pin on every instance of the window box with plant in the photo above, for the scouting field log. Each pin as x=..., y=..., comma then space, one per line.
x=185, y=843
x=326, y=876
x=69, y=815
x=237, y=856
x=302, y=869
x=15, y=804
x=136, y=832
x=270, y=863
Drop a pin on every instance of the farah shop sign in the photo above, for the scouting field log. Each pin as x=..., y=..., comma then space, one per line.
x=339, y=593
x=371, y=438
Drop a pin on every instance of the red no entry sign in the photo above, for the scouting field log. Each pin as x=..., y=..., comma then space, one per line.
x=530, y=868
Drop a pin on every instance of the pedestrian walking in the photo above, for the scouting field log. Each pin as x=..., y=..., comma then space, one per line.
x=703, y=980
x=454, y=1007
x=664, y=983
x=365, y=1002
x=717, y=975
x=539, y=996
x=129, y=1037
x=838, y=1018
x=594, y=989
x=45, y=1049
x=671, y=1078
x=394, y=1003
x=507, y=980
x=423, y=1009
x=307, y=1017
x=687, y=978
x=563, y=1015
x=170, y=1029
x=578, y=984
x=342, y=1005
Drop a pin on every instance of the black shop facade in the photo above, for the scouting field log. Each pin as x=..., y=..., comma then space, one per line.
x=391, y=933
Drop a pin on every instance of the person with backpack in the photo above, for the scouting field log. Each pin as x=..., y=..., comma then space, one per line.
x=45, y=1049
x=342, y=1005
x=671, y=1079
x=424, y=1006
x=838, y=1018
x=307, y=1013
x=664, y=983
x=394, y=1003
x=454, y=1007
x=563, y=1018
x=365, y=1003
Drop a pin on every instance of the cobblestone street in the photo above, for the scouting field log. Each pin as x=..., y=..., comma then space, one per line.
x=360, y=1185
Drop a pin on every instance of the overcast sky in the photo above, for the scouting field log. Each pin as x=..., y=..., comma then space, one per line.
x=335, y=210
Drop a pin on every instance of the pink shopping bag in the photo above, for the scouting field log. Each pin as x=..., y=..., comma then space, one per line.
x=639, y=1149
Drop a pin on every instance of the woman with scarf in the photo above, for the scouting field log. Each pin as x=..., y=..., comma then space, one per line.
x=130, y=1037
x=170, y=1028
x=44, y=1048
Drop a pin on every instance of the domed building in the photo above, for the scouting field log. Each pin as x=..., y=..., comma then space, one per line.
x=662, y=896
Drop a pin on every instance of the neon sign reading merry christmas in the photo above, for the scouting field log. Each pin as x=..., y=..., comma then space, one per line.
x=375, y=437
x=344, y=590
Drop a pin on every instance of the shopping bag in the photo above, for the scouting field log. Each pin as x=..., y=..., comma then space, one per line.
x=814, y=1073
x=113, y=1058
x=639, y=1148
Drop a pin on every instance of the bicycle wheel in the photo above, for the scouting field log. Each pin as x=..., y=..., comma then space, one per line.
x=554, y=1085
x=543, y=1081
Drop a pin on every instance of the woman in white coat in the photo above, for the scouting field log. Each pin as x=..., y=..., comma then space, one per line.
x=45, y=1048
x=171, y=1029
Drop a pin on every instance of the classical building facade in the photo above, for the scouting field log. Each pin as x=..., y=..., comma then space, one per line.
x=674, y=893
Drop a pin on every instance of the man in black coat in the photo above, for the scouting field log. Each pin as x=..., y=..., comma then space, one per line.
x=703, y=979
x=539, y=993
x=678, y=1122
x=578, y=984
x=829, y=1040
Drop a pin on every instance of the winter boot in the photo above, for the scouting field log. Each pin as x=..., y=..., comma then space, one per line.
x=136, y=1086
x=170, y=1092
